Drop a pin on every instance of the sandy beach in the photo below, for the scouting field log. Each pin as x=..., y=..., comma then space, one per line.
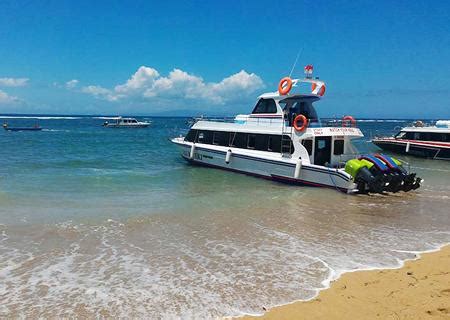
x=418, y=290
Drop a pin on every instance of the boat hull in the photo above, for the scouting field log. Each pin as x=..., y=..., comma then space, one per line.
x=277, y=170
x=127, y=126
x=22, y=129
x=419, y=149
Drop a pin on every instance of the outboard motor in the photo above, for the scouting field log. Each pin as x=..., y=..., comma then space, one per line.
x=379, y=173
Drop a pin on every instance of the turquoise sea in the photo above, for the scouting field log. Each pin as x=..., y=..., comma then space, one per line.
x=112, y=222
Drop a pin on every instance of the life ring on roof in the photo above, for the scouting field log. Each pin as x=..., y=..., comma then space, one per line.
x=321, y=90
x=285, y=86
x=304, y=124
x=348, y=118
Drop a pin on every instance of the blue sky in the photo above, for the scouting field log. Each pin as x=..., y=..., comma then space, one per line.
x=379, y=59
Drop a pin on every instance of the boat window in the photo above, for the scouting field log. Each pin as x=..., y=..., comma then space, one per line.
x=274, y=143
x=134, y=121
x=216, y=138
x=251, y=142
x=299, y=105
x=238, y=140
x=261, y=142
x=205, y=137
x=401, y=135
x=338, y=147
x=436, y=136
x=221, y=138
x=416, y=136
x=308, y=144
x=191, y=135
x=265, y=106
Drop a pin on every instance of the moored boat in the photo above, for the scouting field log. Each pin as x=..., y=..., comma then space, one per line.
x=283, y=140
x=419, y=139
x=36, y=127
x=120, y=122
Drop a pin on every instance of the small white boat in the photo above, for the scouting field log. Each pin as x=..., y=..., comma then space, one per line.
x=283, y=140
x=126, y=123
x=421, y=140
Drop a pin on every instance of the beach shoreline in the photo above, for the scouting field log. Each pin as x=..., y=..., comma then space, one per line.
x=418, y=288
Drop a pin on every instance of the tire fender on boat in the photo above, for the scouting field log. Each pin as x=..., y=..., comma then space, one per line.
x=304, y=120
x=228, y=156
x=285, y=86
x=407, y=147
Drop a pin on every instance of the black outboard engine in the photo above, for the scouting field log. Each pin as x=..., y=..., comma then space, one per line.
x=379, y=173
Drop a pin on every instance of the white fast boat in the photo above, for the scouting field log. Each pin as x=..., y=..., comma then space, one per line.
x=120, y=122
x=421, y=140
x=282, y=140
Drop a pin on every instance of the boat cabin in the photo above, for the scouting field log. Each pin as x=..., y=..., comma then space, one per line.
x=270, y=128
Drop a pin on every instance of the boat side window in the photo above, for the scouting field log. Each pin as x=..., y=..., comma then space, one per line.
x=265, y=106
x=274, y=143
x=261, y=142
x=191, y=135
x=338, y=147
x=205, y=137
x=134, y=121
x=400, y=135
x=221, y=138
x=437, y=136
x=417, y=136
x=308, y=144
x=251, y=141
x=238, y=140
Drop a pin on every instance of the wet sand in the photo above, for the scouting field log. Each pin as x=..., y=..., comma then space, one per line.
x=418, y=290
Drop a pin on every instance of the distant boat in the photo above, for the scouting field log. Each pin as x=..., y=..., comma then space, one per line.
x=420, y=140
x=36, y=127
x=126, y=123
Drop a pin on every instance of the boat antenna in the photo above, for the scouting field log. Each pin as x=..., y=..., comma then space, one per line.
x=296, y=59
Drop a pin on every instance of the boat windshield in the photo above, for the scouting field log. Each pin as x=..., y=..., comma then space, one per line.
x=299, y=105
x=400, y=135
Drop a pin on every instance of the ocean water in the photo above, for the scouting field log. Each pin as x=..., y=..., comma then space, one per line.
x=112, y=222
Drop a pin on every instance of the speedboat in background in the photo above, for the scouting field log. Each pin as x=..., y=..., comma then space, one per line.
x=120, y=122
x=420, y=139
x=283, y=140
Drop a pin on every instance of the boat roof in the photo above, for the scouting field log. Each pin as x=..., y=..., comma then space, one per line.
x=427, y=129
x=274, y=129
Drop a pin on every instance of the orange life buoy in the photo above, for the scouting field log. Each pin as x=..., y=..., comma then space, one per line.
x=321, y=90
x=285, y=86
x=348, y=118
x=304, y=123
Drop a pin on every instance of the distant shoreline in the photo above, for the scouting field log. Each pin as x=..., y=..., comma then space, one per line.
x=50, y=115
x=419, y=288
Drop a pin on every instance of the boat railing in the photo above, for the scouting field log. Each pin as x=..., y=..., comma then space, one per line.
x=252, y=121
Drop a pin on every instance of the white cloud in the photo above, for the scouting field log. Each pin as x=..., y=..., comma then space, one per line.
x=101, y=93
x=7, y=99
x=13, y=82
x=72, y=84
x=148, y=84
x=143, y=78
